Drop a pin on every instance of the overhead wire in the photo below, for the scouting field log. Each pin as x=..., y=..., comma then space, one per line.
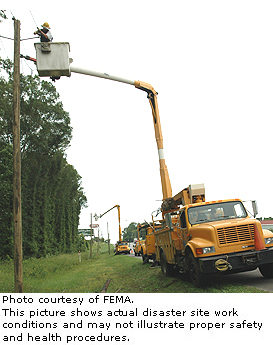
x=23, y=46
x=33, y=19
x=13, y=17
x=3, y=47
x=22, y=39
x=32, y=70
x=2, y=38
x=7, y=37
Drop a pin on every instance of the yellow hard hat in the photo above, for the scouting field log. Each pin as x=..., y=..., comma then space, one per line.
x=46, y=25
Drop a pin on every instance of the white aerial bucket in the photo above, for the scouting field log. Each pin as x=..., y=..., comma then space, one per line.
x=52, y=59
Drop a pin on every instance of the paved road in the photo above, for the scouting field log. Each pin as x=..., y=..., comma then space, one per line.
x=133, y=254
x=252, y=278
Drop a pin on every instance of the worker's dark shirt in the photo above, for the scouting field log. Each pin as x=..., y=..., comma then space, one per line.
x=43, y=38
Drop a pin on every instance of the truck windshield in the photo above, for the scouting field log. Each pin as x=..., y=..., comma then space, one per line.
x=217, y=211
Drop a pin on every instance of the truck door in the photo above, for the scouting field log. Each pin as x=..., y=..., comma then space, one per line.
x=184, y=230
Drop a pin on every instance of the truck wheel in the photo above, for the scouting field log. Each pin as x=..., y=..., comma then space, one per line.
x=166, y=268
x=196, y=276
x=267, y=270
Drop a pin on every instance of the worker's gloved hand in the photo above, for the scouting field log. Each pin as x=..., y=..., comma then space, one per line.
x=38, y=32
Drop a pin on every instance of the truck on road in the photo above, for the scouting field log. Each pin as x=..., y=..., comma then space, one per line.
x=216, y=237
x=121, y=247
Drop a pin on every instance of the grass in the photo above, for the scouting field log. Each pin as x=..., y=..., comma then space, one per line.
x=65, y=274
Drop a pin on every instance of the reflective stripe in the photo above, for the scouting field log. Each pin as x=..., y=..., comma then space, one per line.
x=161, y=153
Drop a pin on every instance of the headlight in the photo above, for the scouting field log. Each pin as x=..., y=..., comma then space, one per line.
x=268, y=240
x=205, y=250
x=208, y=250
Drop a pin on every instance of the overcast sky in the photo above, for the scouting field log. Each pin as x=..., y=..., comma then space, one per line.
x=211, y=64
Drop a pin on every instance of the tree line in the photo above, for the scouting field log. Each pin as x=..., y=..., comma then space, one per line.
x=130, y=232
x=52, y=193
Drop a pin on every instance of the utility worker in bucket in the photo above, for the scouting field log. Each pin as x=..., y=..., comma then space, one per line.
x=44, y=33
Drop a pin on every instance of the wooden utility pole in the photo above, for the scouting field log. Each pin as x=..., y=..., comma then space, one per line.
x=98, y=244
x=17, y=214
x=108, y=239
x=91, y=225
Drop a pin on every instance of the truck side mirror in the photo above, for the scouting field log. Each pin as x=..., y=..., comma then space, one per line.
x=255, y=208
x=169, y=222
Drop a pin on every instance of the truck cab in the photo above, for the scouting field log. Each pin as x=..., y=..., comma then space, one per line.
x=122, y=247
x=216, y=237
x=138, y=247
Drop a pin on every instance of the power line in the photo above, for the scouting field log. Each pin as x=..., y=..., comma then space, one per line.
x=22, y=39
x=8, y=38
x=30, y=38
x=33, y=18
x=32, y=70
x=4, y=47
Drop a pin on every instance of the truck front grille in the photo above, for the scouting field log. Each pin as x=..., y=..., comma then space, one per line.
x=235, y=234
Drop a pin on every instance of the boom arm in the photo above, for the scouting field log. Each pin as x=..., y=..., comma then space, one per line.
x=152, y=96
x=57, y=62
x=164, y=174
x=119, y=227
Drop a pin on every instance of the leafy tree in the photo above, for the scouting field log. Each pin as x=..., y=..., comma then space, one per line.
x=129, y=233
x=52, y=196
x=2, y=15
x=6, y=195
x=45, y=126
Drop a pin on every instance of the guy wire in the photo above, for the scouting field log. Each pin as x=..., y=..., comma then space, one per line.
x=33, y=18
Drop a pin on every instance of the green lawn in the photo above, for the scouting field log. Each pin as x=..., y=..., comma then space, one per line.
x=65, y=274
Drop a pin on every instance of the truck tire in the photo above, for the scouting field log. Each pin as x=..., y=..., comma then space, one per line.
x=267, y=270
x=166, y=268
x=196, y=276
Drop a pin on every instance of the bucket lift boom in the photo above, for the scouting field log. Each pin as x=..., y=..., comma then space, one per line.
x=53, y=61
x=119, y=227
